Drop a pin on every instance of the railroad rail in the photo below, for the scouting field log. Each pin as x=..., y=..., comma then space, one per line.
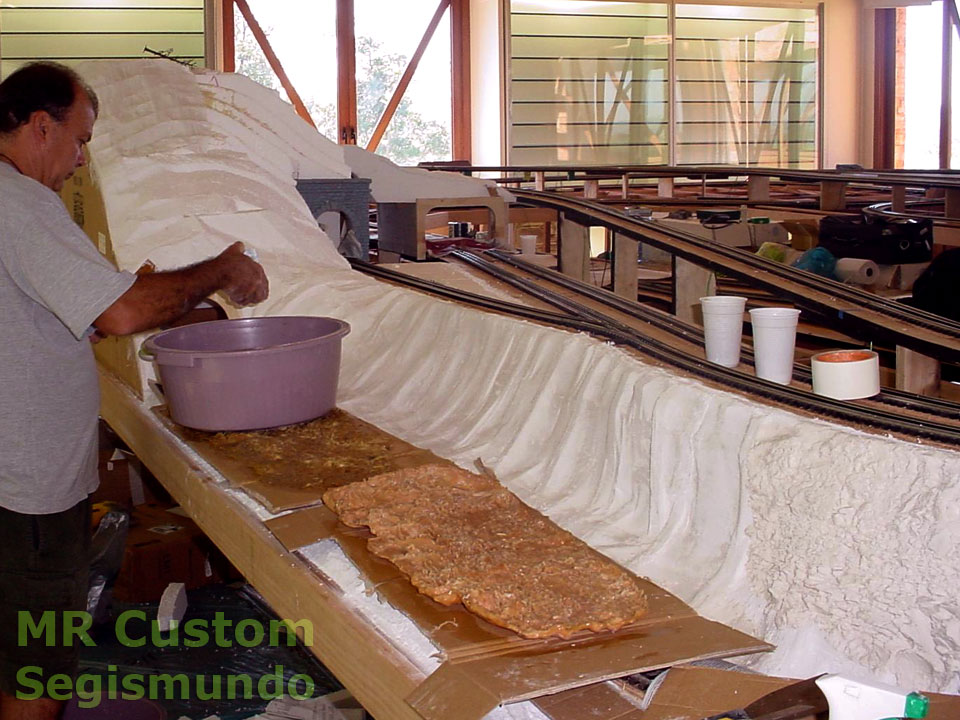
x=578, y=317
x=681, y=329
x=850, y=309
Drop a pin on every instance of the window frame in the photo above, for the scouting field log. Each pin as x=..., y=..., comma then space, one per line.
x=461, y=132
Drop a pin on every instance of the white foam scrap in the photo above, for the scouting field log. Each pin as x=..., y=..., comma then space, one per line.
x=329, y=558
x=836, y=543
x=172, y=607
x=252, y=504
x=392, y=183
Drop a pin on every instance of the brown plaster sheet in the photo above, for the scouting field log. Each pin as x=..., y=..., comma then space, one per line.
x=291, y=467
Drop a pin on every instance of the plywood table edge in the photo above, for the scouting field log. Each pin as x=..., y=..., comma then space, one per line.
x=372, y=669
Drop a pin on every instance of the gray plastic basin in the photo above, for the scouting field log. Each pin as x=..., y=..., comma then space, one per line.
x=249, y=373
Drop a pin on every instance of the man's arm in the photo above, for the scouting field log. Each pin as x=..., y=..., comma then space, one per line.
x=159, y=298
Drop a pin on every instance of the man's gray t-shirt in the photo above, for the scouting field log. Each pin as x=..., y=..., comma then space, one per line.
x=53, y=285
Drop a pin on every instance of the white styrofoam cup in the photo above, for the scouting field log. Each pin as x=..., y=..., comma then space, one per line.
x=722, y=328
x=774, y=340
x=528, y=244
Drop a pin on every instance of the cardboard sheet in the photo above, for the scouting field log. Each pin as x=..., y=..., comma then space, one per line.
x=291, y=467
x=602, y=701
x=486, y=666
x=692, y=693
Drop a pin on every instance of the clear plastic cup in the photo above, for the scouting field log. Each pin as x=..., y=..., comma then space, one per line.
x=528, y=244
x=722, y=328
x=774, y=340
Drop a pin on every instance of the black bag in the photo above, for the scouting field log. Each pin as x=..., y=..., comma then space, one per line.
x=936, y=289
x=886, y=242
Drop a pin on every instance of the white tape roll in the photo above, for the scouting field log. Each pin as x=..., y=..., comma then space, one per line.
x=857, y=271
x=846, y=374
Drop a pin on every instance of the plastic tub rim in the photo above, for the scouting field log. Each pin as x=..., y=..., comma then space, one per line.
x=153, y=350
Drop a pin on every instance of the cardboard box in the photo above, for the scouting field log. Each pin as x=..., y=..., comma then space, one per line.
x=83, y=201
x=118, y=471
x=125, y=480
x=165, y=547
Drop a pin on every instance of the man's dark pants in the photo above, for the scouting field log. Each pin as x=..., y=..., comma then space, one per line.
x=44, y=566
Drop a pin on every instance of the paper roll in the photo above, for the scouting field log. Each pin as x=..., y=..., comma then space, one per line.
x=846, y=374
x=858, y=271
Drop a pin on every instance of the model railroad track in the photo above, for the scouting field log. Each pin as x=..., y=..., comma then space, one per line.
x=672, y=325
x=578, y=317
x=848, y=309
x=724, y=184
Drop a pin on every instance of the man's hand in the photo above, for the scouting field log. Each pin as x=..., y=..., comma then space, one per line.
x=159, y=298
x=245, y=283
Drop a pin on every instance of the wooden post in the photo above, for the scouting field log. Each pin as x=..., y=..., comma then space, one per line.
x=346, y=74
x=899, y=200
x=758, y=188
x=540, y=181
x=885, y=87
x=946, y=85
x=917, y=373
x=665, y=187
x=690, y=283
x=951, y=205
x=573, y=249
x=626, y=252
x=591, y=189
x=460, y=68
x=228, y=53
x=625, y=186
x=833, y=195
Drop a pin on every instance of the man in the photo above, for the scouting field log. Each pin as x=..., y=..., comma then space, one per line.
x=56, y=290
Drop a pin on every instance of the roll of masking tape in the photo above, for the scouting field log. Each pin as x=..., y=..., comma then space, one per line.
x=846, y=374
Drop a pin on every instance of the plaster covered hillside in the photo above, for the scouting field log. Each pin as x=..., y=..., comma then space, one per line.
x=837, y=545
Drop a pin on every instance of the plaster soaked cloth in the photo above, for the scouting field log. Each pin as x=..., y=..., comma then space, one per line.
x=462, y=537
x=728, y=503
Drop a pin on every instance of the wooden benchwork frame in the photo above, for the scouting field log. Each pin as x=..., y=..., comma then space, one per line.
x=372, y=669
x=496, y=210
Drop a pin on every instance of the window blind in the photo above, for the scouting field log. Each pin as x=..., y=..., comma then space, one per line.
x=70, y=31
x=746, y=85
x=588, y=85
x=633, y=83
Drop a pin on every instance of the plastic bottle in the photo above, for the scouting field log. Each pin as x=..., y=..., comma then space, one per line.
x=915, y=707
